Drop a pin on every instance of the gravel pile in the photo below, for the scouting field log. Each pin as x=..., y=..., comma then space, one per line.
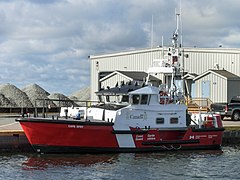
x=81, y=95
x=15, y=95
x=60, y=97
x=5, y=102
x=35, y=92
x=11, y=96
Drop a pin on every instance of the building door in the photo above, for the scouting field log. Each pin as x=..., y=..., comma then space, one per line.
x=193, y=90
x=205, y=89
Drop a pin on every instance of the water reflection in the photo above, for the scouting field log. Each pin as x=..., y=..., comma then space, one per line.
x=170, y=165
x=204, y=164
x=180, y=154
x=43, y=161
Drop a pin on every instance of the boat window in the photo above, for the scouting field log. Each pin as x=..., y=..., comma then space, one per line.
x=107, y=99
x=125, y=98
x=174, y=120
x=144, y=99
x=136, y=99
x=160, y=120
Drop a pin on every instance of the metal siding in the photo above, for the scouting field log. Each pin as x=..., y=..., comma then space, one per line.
x=217, y=91
x=200, y=60
x=94, y=79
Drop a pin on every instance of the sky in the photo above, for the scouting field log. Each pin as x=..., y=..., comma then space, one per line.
x=48, y=42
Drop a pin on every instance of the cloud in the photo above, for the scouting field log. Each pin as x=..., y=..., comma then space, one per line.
x=48, y=41
x=208, y=23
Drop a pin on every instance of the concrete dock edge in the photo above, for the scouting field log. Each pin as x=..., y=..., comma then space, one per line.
x=14, y=141
x=231, y=136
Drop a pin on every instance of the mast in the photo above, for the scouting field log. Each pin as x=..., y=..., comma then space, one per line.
x=170, y=63
x=174, y=55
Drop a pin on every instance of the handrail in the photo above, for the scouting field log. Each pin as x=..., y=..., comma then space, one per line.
x=200, y=102
x=68, y=103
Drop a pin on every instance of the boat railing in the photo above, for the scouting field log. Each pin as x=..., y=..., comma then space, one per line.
x=166, y=99
x=57, y=104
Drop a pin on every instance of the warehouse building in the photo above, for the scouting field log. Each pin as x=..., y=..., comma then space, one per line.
x=211, y=73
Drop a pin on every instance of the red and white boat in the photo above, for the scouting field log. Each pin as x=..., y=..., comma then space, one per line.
x=144, y=125
x=154, y=120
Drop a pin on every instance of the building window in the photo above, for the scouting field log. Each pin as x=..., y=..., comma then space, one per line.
x=174, y=120
x=160, y=120
x=144, y=99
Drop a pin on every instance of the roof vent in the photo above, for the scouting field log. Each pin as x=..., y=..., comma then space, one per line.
x=216, y=66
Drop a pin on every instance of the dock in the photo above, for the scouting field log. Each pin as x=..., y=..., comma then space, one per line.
x=13, y=138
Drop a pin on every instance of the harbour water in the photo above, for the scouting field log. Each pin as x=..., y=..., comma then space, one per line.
x=220, y=164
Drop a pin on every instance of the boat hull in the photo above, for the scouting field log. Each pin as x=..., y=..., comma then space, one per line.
x=61, y=136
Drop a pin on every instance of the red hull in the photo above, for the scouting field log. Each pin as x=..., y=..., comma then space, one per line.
x=51, y=136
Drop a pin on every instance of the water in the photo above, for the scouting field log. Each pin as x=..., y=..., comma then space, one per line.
x=221, y=164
